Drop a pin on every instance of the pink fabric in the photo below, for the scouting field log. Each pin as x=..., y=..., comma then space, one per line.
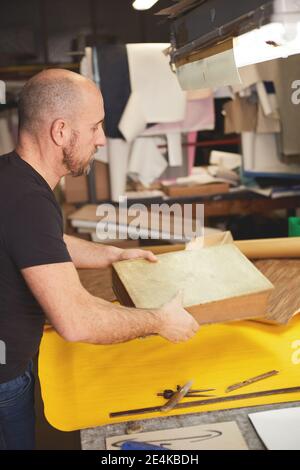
x=200, y=115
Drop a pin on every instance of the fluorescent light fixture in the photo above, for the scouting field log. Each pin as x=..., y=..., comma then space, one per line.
x=272, y=41
x=276, y=34
x=143, y=4
x=2, y=92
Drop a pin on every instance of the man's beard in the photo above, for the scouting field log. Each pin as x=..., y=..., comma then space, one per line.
x=69, y=158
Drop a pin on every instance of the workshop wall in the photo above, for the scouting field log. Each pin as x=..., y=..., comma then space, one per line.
x=45, y=31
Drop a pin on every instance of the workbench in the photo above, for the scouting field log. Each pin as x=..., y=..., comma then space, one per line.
x=94, y=438
x=243, y=203
x=98, y=282
x=238, y=203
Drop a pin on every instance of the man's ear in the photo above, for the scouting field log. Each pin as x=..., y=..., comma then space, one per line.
x=59, y=132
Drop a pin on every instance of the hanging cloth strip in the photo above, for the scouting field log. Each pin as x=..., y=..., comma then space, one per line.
x=115, y=85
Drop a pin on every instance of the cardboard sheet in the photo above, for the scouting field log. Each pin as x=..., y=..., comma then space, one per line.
x=216, y=436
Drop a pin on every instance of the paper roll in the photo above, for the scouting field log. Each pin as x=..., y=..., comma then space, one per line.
x=270, y=248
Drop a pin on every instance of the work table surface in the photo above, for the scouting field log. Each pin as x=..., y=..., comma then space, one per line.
x=284, y=274
x=94, y=438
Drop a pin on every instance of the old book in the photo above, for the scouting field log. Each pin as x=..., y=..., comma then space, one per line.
x=219, y=284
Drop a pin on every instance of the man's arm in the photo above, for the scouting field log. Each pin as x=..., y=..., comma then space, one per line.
x=86, y=254
x=78, y=316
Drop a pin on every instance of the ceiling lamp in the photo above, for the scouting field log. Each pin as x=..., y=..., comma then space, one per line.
x=143, y=4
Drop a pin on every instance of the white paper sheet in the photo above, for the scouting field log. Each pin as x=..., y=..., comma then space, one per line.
x=86, y=64
x=2, y=92
x=162, y=99
x=174, y=149
x=211, y=72
x=261, y=155
x=278, y=429
x=226, y=159
x=146, y=161
x=118, y=154
x=102, y=154
x=267, y=100
x=214, y=436
x=133, y=121
x=6, y=139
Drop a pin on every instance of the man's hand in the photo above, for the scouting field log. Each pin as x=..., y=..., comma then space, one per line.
x=176, y=324
x=137, y=253
x=88, y=255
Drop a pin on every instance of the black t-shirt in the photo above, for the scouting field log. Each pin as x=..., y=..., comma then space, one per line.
x=31, y=234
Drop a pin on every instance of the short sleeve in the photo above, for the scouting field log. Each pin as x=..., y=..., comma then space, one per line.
x=34, y=232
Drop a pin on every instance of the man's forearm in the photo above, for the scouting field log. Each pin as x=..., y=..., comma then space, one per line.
x=86, y=254
x=93, y=255
x=102, y=322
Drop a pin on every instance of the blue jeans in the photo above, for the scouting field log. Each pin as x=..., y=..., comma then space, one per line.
x=17, y=416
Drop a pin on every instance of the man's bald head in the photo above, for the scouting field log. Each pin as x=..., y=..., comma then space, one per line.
x=50, y=95
x=61, y=115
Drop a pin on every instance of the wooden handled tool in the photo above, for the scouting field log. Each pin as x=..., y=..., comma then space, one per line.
x=252, y=380
x=175, y=399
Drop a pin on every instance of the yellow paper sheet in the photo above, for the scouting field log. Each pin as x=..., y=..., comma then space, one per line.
x=81, y=384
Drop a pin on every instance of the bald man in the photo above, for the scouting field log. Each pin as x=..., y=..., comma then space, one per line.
x=60, y=128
